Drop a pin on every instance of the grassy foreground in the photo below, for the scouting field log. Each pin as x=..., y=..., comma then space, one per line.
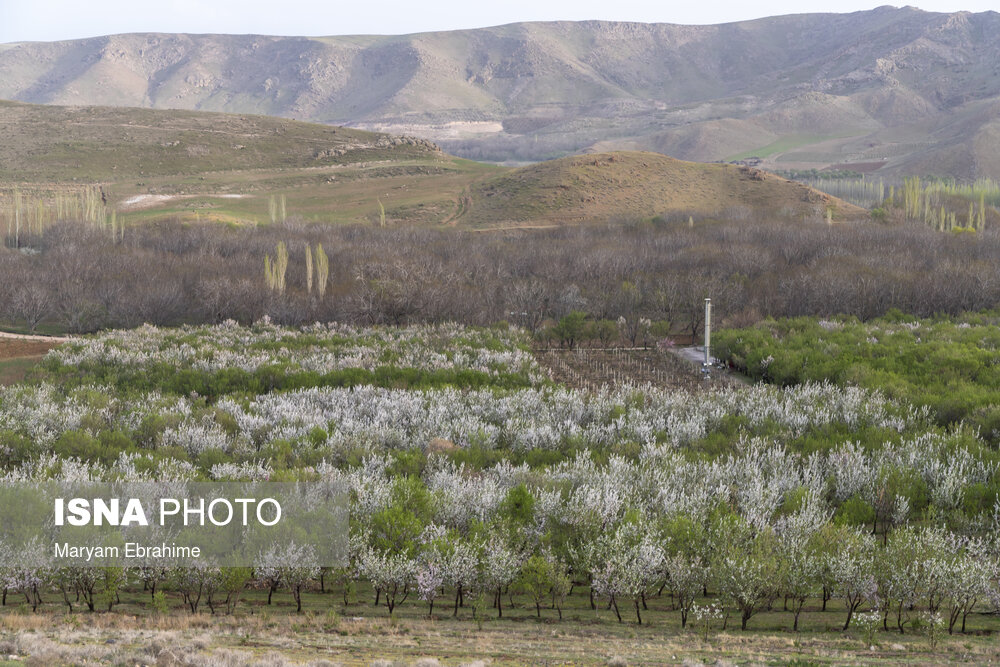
x=360, y=634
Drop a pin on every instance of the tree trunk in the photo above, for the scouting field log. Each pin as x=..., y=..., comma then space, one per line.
x=953, y=619
x=850, y=614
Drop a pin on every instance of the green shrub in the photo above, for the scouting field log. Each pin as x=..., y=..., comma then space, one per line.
x=854, y=512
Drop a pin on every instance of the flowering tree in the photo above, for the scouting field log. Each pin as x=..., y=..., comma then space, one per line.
x=292, y=565
x=461, y=563
x=429, y=579
x=745, y=566
x=391, y=573
x=268, y=570
x=625, y=565
x=26, y=572
x=686, y=563
x=967, y=580
x=686, y=578
x=852, y=568
x=298, y=568
x=799, y=567
x=499, y=566
x=897, y=578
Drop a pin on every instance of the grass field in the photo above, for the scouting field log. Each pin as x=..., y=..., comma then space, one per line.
x=783, y=145
x=359, y=634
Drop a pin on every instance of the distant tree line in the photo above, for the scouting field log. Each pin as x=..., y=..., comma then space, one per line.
x=82, y=279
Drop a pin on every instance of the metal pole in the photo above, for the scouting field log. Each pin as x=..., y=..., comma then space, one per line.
x=708, y=332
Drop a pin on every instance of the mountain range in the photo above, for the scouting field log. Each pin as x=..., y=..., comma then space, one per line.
x=888, y=92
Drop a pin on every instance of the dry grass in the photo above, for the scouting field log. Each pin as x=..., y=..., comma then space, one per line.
x=611, y=186
x=315, y=639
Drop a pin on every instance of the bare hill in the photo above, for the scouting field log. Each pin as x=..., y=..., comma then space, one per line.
x=912, y=89
x=152, y=164
x=52, y=143
x=632, y=185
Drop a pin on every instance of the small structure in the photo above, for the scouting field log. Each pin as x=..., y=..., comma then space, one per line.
x=706, y=366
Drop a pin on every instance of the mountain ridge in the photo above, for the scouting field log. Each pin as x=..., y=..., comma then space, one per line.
x=902, y=86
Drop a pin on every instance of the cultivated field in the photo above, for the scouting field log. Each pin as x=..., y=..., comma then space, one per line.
x=498, y=515
x=18, y=355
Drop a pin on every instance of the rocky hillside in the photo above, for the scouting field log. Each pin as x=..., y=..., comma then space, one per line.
x=888, y=90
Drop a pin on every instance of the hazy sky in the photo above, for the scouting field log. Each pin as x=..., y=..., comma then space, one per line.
x=24, y=20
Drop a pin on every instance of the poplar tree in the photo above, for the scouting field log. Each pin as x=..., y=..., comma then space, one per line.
x=309, y=269
x=274, y=271
x=322, y=270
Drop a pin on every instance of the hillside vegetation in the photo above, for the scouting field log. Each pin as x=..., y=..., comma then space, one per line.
x=901, y=91
x=152, y=164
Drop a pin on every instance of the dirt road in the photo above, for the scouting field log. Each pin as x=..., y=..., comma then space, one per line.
x=55, y=340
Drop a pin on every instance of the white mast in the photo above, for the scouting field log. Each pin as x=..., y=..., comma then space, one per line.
x=708, y=332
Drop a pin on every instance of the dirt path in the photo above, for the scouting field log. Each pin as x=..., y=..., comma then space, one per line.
x=139, y=202
x=34, y=337
x=695, y=354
